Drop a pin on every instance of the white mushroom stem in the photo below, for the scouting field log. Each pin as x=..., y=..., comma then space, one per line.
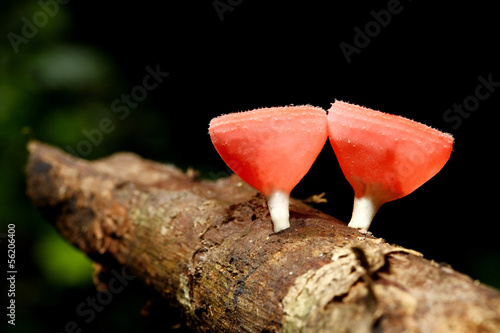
x=278, y=208
x=363, y=212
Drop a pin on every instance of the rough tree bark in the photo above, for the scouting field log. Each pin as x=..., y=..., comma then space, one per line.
x=208, y=247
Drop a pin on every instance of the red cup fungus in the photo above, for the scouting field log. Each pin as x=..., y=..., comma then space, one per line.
x=383, y=156
x=271, y=149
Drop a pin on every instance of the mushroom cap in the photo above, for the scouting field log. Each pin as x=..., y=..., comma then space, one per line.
x=271, y=148
x=382, y=155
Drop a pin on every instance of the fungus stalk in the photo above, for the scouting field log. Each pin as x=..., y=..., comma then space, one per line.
x=278, y=208
x=363, y=212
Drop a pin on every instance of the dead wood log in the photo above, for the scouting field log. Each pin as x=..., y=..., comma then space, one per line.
x=208, y=247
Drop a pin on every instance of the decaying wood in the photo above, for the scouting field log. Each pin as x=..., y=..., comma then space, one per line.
x=208, y=247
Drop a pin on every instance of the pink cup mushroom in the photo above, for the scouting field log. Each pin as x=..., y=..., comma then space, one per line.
x=384, y=157
x=271, y=149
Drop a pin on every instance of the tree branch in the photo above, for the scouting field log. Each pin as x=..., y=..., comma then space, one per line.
x=208, y=247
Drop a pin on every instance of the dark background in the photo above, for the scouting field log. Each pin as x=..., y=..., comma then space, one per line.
x=64, y=80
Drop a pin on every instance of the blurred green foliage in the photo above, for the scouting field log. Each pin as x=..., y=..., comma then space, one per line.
x=50, y=90
x=61, y=264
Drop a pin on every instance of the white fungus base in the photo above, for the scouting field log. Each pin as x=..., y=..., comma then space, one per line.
x=278, y=208
x=363, y=212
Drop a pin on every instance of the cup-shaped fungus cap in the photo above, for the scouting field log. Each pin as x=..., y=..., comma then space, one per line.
x=383, y=156
x=271, y=149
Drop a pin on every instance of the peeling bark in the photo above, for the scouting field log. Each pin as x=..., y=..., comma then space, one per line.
x=208, y=247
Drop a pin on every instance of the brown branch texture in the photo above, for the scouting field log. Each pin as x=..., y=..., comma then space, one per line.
x=208, y=247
